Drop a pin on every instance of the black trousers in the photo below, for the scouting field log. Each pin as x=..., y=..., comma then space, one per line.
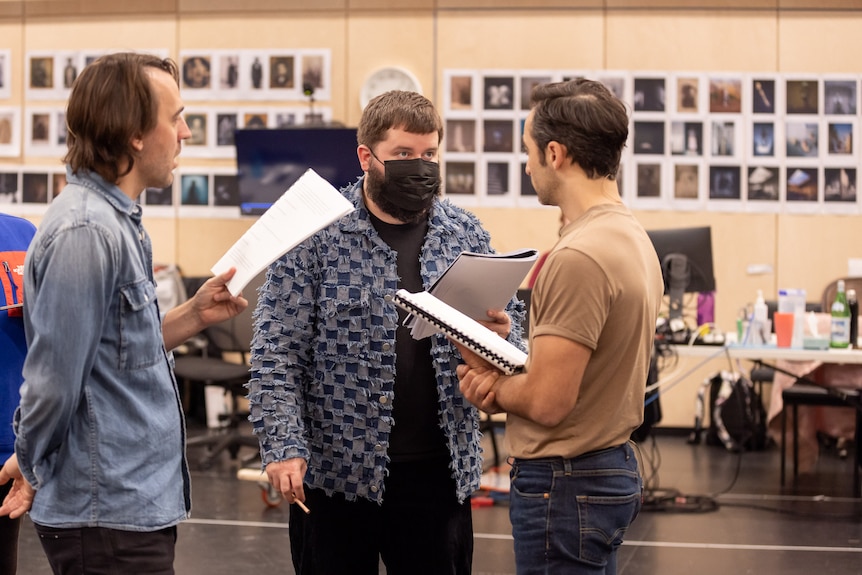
x=102, y=551
x=8, y=537
x=420, y=528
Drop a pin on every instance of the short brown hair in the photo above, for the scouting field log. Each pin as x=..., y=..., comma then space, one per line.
x=112, y=102
x=410, y=111
x=585, y=117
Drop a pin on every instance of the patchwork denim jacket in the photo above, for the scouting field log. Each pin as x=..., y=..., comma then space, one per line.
x=323, y=354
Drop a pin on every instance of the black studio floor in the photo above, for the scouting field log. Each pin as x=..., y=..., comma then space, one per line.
x=757, y=527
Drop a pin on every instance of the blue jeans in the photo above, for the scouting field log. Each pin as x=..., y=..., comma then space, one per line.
x=570, y=515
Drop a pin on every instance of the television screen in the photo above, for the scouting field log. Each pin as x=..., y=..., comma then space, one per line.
x=269, y=161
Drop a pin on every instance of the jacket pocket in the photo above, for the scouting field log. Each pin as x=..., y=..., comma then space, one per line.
x=140, y=326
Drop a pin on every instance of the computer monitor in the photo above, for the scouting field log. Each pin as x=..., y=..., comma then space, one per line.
x=269, y=161
x=685, y=255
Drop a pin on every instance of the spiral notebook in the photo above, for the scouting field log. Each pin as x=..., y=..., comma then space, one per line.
x=463, y=329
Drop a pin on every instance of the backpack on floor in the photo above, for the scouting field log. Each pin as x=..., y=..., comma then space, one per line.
x=737, y=417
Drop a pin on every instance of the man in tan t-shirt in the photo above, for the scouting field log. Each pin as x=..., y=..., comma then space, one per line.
x=575, y=480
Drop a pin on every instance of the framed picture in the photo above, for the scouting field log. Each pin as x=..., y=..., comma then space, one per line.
x=725, y=95
x=840, y=97
x=801, y=184
x=526, y=88
x=763, y=183
x=649, y=94
x=649, y=138
x=498, y=136
x=5, y=74
x=724, y=183
x=34, y=187
x=460, y=178
x=686, y=138
x=499, y=92
x=10, y=131
x=687, y=94
x=839, y=138
x=802, y=139
x=802, y=96
x=763, y=139
x=460, y=135
x=839, y=185
x=460, y=92
x=763, y=95
x=10, y=186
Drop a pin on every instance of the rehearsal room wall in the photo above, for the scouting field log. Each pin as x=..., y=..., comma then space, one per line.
x=430, y=36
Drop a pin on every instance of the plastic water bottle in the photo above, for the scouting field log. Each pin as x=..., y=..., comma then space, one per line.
x=760, y=333
x=840, y=332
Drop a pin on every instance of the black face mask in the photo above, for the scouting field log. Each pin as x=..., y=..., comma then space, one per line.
x=410, y=184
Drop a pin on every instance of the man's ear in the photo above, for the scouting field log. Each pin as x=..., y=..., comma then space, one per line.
x=365, y=158
x=137, y=143
x=556, y=154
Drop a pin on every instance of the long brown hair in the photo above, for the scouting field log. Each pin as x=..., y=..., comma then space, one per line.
x=112, y=102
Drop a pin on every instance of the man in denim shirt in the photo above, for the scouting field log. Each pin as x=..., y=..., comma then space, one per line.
x=100, y=430
x=356, y=418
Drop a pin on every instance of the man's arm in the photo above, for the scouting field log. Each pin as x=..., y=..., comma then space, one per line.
x=211, y=304
x=546, y=394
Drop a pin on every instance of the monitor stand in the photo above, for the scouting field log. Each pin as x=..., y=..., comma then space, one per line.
x=678, y=274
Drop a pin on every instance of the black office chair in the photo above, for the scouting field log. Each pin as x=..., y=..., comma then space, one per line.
x=210, y=368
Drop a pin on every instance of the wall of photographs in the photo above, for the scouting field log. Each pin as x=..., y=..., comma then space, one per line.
x=224, y=90
x=698, y=140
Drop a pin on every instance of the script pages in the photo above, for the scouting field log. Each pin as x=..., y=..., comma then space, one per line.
x=475, y=283
x=308, y=206
x=463, y=329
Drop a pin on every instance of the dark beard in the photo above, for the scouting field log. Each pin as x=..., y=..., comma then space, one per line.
x=374, y=189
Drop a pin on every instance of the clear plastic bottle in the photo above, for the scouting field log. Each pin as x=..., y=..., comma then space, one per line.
x=760, y=332
x=840, y=332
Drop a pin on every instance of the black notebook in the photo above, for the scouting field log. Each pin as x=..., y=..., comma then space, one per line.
x=463, y=329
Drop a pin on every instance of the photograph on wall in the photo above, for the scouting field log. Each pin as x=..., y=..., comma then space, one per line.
x=763, y=96
x=9, y=187
x=194, y=190
x=255, y=120
x=839, y=185
x=839, y=138
x=723, y=138
x=649, y=94
x=5, y=74
x=195, y=73
x=197, y=123
x=58, y=183
x=34, y=188
x=724, y=183
x=801, y=96
x=497, y=178
x=159, y=196
x=801, y=184
x=62, y=131
x=312, y=74
x=649, y=180
x=40, y=129
x=687, y=91
x=839, y=97
x=527, y=85
x=10, y=137
x=649, y=138
x=686, y=138
x=256, y=72
x=225, y=190
x=763, y=134
x=461, y=92
x=527, y=188
x=498, y=136
x=763, y=183
x=616, y=84
x=68, y=67
x=41, y=73
x=499, y=92
x=725, y=95
x=226, y=125
x=228, y=72
x=281, y=71
x=460, y=178
x=802, y=139
x=285, y=119
x=460, y=135
x=686, y=181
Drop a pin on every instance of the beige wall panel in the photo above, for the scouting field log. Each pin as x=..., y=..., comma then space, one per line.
x=12, y=9
x=247, y=7
x=814, y=250
x=139, y=33
x=820, y=42
x=12, y=35
x=163, y=233
x=519, y=40
x=390, y=5
x=36, y=8
x=202, y=242
x=532, y=4
x=691, y=40
x=819, y=4
x=691, y=4
x=375, y=40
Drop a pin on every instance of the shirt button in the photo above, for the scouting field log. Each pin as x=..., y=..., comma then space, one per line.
x=378, y=447
x=386, y=346
x=387, y=297
x=373, y=489
x=383, y=399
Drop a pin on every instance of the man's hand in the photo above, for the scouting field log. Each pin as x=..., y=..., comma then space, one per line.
x=286, y=477
x=20, y=498
x=499, y=322
x=213, y=303
x=478, y=378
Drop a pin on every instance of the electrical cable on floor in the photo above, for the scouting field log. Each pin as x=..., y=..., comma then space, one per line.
x=667, y=500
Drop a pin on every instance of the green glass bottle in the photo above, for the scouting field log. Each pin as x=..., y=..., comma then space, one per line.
x=840, y=336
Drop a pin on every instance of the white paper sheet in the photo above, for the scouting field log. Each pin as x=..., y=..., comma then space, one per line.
x=309, y=205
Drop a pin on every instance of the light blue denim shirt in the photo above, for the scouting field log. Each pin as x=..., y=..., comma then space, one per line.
x=323, y=355
x=100, y=430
